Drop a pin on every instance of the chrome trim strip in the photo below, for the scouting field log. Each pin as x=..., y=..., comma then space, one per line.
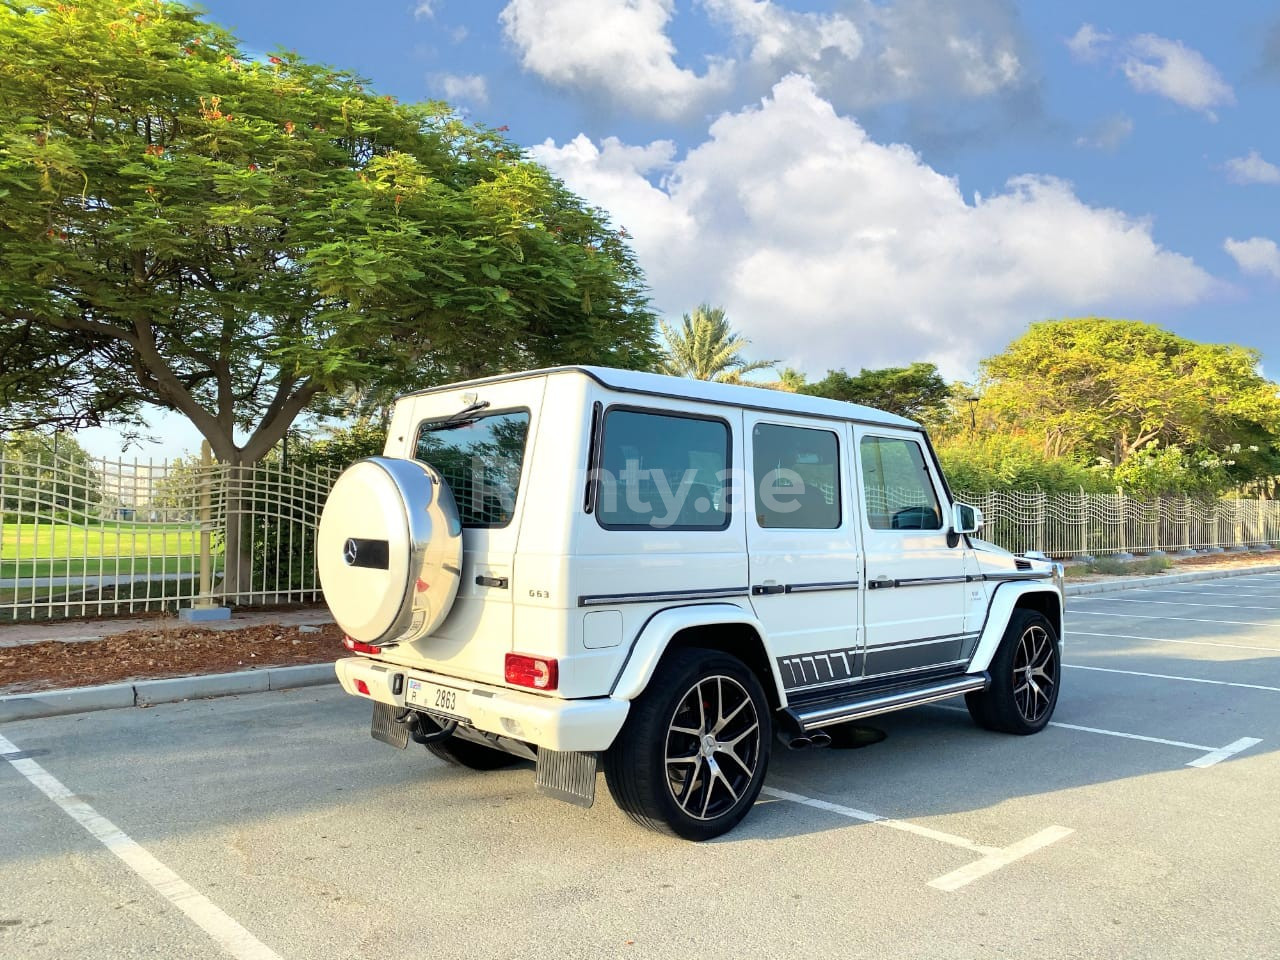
x=924, y=581
x=609, y=599
x=816, y=587
x=1018, y=576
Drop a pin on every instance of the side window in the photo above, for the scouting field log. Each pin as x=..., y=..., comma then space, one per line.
x=897, y=486
x=662, y=472
x=797, y=477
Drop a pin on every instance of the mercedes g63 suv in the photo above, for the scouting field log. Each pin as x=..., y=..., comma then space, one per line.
x=583, y=566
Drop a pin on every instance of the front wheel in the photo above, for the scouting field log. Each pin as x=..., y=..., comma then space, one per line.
x=691, y=759
x=1024, y=678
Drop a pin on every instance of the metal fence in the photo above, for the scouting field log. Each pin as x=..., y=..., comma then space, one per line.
x=1067, y=525
x=82, y=537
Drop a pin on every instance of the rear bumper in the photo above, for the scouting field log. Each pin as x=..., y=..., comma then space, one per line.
x=544, y=721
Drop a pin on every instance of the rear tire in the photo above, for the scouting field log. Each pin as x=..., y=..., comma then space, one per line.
x=458, y=752
x=1025, y=675
x=691, y=758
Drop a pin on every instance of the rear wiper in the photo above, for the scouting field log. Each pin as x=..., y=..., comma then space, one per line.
x=459, y=418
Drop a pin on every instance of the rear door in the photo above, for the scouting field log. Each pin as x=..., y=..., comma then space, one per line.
x=483, y=457
x=915, y=578
x=804, y=560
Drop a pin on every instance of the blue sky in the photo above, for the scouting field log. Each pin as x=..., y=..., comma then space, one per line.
x=869, y=183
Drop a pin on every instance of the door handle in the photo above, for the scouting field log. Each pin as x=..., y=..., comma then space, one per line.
x=881, y=583
x=760, y=589
x=499, y=582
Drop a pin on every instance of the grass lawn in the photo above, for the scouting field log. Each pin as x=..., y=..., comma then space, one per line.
x=107, y=548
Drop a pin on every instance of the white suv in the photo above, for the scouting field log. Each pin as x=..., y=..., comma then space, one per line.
x=580, y=566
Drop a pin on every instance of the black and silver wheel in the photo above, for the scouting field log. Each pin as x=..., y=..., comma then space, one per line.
x=1025, y=674
x=691, y=759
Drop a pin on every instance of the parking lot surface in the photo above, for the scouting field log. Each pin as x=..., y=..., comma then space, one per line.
x=1144, y=823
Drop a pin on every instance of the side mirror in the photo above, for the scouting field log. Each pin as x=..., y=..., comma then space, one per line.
x=965, y=519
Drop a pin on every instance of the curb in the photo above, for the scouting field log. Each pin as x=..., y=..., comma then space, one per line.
x=1128, y=583
x=146, y=693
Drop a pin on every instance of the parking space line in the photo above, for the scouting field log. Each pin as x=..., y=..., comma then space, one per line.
x=1179, y=603
x=1169, y=676
x=1147, y=616
x=1209, y=593
x=1000, y=858
x=233, y=938
x=993, y=858
x=1211, y=755
x=1193, y=643
x=1217, y=756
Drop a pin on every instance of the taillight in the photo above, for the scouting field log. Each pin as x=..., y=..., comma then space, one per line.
x=540, y=673
x=362, y=687
x=358, y=647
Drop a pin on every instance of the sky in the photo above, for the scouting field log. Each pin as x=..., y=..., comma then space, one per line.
x=865, y=183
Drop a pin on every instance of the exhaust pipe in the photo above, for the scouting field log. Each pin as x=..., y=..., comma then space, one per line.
x=805, y=741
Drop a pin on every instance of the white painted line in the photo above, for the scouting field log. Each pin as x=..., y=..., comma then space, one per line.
x=1269, y=594
x=1168, y=676
x=233, y=938
x=1193, y=643
x=1130, y=736
x=855, y=814
x=1000, y=858
x=1144, y=616
x=1174, y=603
x=1217, y=756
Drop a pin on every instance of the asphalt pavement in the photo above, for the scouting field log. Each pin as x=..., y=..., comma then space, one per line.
x=1143, y=823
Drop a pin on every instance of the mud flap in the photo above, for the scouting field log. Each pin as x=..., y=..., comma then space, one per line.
x=567, y=775
x=386, y=729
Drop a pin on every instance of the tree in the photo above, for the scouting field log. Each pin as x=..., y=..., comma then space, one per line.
x=705, y=347
x=238, y=240
x=47, y=476
x=916, y=392
x=1095, y=387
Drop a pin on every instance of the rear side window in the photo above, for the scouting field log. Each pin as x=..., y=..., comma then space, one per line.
x=797, y=477
x=662, y=472
x=481, y=458
x=897, y=487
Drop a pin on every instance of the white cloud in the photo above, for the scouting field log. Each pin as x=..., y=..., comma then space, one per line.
x=425, y=9
x=1252, y=169
x=1175, y=71
x=463, y=88
x=617, y=48
x=619, y=51
x=1109, y=134
x=829, y=249
x=1256, y=255
x=785, y=37
x=1088, y=43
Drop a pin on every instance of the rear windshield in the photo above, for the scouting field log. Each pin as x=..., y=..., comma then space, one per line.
x=481, y=458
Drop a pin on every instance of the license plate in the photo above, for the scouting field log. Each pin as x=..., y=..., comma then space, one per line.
x=435, y=698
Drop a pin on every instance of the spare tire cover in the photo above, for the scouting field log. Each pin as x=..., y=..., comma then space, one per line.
x=389, y=550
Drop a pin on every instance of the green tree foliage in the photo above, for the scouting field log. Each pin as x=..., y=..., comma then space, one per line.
x=979, y=463
x=705, y=347
x=236, y=239
x=47, y=476
x=916, y=392
x=1090, y=388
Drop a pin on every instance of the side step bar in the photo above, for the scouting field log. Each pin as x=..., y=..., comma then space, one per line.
x=814, y=716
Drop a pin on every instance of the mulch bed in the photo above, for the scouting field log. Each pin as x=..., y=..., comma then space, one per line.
x=148, y=654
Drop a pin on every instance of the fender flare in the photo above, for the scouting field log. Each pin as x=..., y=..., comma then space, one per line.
x=656, y=633
x=1003, y=601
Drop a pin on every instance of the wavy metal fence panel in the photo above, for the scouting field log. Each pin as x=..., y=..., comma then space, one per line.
x=1069, y=525
x=84, y=538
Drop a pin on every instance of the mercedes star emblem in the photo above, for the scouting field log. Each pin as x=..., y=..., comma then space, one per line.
x=349, y=552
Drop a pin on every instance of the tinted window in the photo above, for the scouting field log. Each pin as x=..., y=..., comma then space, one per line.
x=482, y=459
x=797, y=477
x=663, y=472
x=898, y=490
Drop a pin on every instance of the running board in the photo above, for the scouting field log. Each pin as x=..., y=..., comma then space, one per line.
x=813, y=716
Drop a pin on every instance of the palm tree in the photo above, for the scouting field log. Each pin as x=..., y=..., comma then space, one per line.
x=706, y=348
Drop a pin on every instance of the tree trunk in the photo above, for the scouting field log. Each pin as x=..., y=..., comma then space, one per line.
x=237, y=574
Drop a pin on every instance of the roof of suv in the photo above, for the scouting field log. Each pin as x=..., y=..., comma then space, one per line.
x=706, y=391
